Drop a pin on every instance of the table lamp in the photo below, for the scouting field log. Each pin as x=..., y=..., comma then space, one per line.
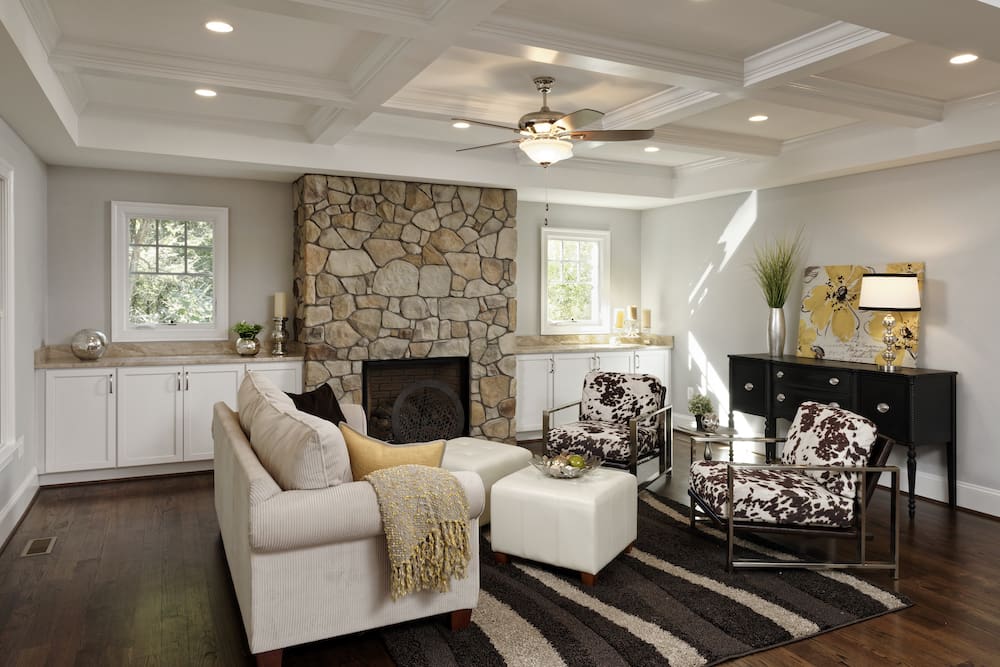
x=890, y=292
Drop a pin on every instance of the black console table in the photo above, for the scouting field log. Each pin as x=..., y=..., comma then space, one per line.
x=914, y=406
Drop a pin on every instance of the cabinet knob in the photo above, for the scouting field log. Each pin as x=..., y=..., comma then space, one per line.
x=882, y=407
x=781, y=398
x=834, y=381
x=834, y=404
x=748, y=386
x=111, y=383
x=635, y=360
x=552, y=365
x=780, y=374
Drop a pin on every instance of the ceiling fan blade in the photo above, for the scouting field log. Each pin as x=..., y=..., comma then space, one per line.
x=611, y=135
x=479, y=122
x=579, y=118
x=499, y=143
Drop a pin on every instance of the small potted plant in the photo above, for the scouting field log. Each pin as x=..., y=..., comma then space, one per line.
x=247, y=343
x=699, y=405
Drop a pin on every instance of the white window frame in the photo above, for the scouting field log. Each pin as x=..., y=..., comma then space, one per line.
x=8, y=434
x=121, y=329
x=603, y=240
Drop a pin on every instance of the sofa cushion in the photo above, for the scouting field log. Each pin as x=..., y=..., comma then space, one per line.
x=368, y=454
x=298, y=450
x=321, y=402
x=606, y=440
x=618, y=397
x=821, y=435
x=254, y=391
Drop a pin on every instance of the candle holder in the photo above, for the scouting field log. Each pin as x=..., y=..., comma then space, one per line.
x=631, y=332
x=279, y=336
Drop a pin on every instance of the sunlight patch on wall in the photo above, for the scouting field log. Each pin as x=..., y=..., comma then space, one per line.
x=738, y=228
x=700, y=282
x=710, y=382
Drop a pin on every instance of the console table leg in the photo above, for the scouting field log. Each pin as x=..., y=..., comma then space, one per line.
x=911, y=477
x=770, y=448
x=952, y=481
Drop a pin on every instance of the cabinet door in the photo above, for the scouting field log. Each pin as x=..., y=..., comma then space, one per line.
x=80, y=419
x=204, y=386
x=652, y=362
x=613, y=362
x=747, y=385
x=569, y=370
x=150, y=413
x=287, y=376
x=534, y=390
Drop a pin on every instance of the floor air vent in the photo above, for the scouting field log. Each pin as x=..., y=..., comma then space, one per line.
x=39, y=546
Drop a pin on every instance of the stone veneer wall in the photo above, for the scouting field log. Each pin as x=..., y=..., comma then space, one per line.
x=395, y=270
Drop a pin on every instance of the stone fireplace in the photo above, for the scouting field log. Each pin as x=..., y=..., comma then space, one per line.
x=390, y=270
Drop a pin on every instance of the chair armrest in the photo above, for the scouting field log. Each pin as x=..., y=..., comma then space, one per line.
x=733, y=438
x=816, y=468
x=666, y=409
x=547, y=418
x=342, y=513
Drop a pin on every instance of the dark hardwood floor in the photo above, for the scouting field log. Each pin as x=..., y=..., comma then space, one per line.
x=137, y=576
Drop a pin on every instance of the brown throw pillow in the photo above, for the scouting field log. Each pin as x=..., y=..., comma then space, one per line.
x=369, y=454
x=320, y=402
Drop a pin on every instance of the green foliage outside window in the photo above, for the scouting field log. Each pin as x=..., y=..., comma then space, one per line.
x=571, y=282
x=170, y=272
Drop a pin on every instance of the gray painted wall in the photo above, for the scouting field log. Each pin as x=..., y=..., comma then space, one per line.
x=79, y=202
x=18, y=479
x=696, y=276
x=625, y=229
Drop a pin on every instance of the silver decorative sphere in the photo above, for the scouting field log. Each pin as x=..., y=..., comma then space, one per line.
x=89, y=344
x=710, y=422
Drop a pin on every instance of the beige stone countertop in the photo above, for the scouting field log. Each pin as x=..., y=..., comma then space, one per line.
x=551, y=344
x=159, y=354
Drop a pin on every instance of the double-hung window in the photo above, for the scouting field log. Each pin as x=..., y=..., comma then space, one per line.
x=169, y=272
x=575, y=281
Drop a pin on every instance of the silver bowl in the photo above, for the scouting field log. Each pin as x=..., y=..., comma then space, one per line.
x=89, y=344
x=559, y=467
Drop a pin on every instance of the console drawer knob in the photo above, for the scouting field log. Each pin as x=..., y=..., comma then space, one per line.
x=780, y=374
x=882, y=407
x=834, y=381
x=780, y=397
x=748, y=386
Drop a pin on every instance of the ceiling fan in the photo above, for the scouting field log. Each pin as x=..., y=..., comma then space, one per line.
x=548, y=135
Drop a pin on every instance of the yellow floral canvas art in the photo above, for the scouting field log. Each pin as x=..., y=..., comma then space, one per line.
x=832, y=327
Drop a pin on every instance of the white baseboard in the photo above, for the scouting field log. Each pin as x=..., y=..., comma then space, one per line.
x=935, y=487
x=17, y=505
x=49, y=479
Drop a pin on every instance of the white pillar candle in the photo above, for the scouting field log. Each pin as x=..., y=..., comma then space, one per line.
x=647, y=316
x=280, y=299
x=633, y=313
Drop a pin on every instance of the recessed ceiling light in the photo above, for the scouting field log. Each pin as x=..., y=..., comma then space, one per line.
x=652, y=149
x=759, y=118
x=219, y=26
x=461, y=124
x=964, y=59
x=205, y=92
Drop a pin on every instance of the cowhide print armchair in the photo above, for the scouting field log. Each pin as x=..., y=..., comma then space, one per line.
x=830, y=465
x=622, y=420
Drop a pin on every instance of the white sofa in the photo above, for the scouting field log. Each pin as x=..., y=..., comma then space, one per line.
x=308, y=565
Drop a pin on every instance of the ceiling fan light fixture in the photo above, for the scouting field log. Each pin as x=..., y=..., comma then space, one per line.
x=547, y=150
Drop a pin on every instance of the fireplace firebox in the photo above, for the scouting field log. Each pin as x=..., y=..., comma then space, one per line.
x=415, y=400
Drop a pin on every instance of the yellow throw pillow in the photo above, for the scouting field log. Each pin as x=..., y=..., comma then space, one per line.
x=369, y=454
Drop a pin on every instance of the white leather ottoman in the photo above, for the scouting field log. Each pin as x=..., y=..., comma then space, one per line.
x=580, y=524
x=492, y=460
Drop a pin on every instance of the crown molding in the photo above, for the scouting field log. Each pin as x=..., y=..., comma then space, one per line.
x=43, y=21
x=448, y=104
x=713, y=141
x=75, y=90
x=856, y=100
x=118, y=60
x=662, y=108
x=607, y=55
x=377, y=59
x=414, y=12
x=815, y=50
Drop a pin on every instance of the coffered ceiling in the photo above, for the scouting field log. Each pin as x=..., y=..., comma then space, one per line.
x=370, y=87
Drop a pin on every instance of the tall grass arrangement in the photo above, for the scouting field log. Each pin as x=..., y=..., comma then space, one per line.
x=774, y=265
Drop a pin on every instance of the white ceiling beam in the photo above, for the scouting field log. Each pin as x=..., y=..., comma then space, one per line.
x=344, y=15
x=821, y=50
x=394, y=64
x=856, y=100
x=717, y=142
x=135, y=63
x=557, y=45
x=662, y=108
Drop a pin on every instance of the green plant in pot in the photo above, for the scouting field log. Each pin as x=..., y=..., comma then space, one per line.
x=774, y=265
x=247, y=343
x=699, y=405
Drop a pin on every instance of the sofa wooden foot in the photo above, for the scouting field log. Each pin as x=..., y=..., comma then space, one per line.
x=501, y=559
x=460, y=619
x=269, y=658
x=588, y=579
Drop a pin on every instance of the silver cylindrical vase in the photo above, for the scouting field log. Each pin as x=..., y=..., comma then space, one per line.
x=776, y=332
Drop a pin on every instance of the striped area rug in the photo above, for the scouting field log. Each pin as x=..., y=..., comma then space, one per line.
x=668, y=602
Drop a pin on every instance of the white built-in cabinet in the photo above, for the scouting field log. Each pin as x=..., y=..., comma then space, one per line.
x=142, y=415
x=545, y=381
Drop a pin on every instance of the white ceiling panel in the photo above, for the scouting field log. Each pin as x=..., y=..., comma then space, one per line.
x=782, y=122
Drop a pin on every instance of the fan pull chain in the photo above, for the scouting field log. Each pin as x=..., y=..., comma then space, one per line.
x=545, y=182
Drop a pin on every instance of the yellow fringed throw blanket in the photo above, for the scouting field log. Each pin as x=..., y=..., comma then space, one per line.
x=425, y=516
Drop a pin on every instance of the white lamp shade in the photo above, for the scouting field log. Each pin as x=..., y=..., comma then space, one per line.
x=889, y=291
x=547, y=150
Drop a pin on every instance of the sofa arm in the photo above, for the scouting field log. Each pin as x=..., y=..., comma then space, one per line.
x=298, y=519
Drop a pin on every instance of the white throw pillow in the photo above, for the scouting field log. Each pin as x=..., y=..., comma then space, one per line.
x=298, y=450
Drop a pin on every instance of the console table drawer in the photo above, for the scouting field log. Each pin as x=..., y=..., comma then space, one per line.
x=818, y=378
x=788, y=399
x=748, y=379
x=887, y=403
